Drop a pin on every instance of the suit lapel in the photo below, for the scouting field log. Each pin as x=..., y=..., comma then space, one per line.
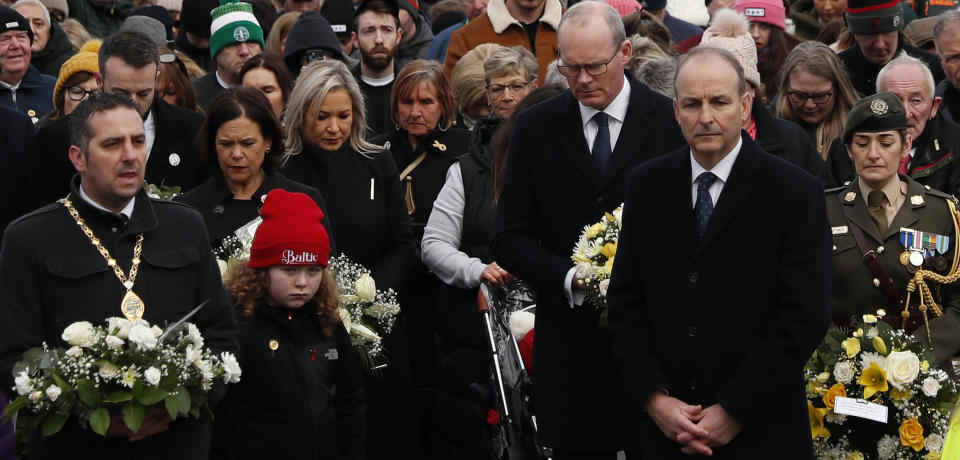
x=859, y=215
x=736, y=191
x=679, y=199
x=568, y=130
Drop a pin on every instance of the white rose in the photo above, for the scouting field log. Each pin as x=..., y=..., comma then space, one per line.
x=74, y=352
x=119, y=326
x=902, y=368
x=603, y=286
x=108, y=371
x=931, y=387
x=195, y=335
x=365, y=332
x=157, y=332
x=231, y=368
x=366, y=288
x=114, y=342
x=152, y=376
x=933, y=443
x=843, y=372
x=79, y=334
x=143, y=337
x=345, y=318
x=22, y=382
x=36, y=396
x=53, y=392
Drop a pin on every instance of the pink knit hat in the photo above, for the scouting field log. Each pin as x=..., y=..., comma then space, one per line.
x=769, y=11
x=729, y=31
x=625, y=7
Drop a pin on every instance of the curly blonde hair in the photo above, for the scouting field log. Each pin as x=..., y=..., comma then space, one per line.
x=248, y=287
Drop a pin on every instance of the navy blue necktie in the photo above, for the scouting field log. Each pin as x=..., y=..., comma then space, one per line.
x=704, y=206
x=601, y=144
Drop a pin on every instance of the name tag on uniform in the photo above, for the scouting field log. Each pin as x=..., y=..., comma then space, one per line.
x=839, y=230
x=860, y=408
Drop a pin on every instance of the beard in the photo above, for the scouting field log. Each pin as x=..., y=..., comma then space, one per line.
x=378, y=62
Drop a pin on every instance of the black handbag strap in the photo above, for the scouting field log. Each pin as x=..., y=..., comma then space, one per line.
x=872, y=259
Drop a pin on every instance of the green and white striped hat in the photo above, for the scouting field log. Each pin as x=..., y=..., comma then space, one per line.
x=233, y=22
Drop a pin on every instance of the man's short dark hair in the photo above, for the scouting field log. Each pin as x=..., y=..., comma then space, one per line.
x=377, y=6
x=134, y=48
x=79, y=120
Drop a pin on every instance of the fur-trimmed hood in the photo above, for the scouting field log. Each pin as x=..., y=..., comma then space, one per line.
x=500, y=17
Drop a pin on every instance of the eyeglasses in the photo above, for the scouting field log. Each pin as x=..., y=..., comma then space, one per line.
x=171, y=58
x=799, y=97
x=515, y=88
x=316, y=55
x=77, y=93
x=592, y=69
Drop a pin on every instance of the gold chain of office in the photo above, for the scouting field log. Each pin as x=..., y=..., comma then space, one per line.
x=131, y=306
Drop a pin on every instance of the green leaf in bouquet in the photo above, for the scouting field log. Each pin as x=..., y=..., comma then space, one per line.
x=100, y=421
x=88, y=392
x=14, y=407
x=834, y=338
x=64, y=386
x=183, y=400
x=118, y=397
x=49, y=359
x=151, y=395
x=31, y=360
x=884, y=329
x=133, y=414
x=173, y=409
x=53, y=422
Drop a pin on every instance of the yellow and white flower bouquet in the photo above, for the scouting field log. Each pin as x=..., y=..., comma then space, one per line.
x=888, y=367
x=367, y=312
x=594, y=254
x=122, y=367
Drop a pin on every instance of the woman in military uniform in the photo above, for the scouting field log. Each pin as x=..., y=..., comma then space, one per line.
x=887, y=226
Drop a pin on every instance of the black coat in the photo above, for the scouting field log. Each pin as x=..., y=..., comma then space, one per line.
x=207, y=88
x=58, y=50
x=223, y=215
x=49, y=168
x=17, y=137
x=34, y=96
x=950, y=107
x=373, y=228
x=302, y=401
x=934, y=163
x=730, y=317
x=786, y=140
x=51, y=276
x=863, y=72
x=551, y=190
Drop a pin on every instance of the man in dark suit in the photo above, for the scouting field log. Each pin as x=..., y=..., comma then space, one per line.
x=128, y=65
x=714, y=309
x=567, y=165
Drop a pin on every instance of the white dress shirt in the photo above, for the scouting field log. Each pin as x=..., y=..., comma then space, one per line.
x=721, y=170
x=149, y=133
x=126, y=211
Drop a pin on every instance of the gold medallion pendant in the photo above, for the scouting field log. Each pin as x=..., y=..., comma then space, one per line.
x=132, y=306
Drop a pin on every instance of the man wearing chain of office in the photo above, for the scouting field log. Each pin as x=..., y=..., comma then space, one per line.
x=108, y=250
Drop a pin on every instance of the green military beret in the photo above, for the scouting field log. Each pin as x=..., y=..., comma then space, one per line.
x=875, y=113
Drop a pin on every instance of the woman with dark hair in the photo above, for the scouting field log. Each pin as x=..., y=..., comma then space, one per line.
x=456, y=248
x=767, y=23
x=645, y=24
x=301, y=395
x=269, y=74
x=76, y=82
x=173, y=82
x=242, y=140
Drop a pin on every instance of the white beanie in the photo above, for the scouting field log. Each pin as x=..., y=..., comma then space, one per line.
x=730, y=31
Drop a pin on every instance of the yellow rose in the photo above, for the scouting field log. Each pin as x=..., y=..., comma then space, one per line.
x=924, y=366
x=869, y=318
x=609, y=265
x=609, y=250
x=595, y=230
x=851, y=346
x=817, y=430
x=898, y=395
x=834, y=391
x=855, y=456
x=858, y=333
x=879, y=345
x=911, y=434
x=873, y=379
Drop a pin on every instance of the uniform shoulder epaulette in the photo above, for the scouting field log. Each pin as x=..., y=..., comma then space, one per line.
x=834, y=189
x=932, y=191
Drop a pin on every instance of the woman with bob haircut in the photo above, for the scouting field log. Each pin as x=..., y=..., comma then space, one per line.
x=815, y=93
x=326, y=149
x=269, y=74
x=301, y=391
x=242, y=141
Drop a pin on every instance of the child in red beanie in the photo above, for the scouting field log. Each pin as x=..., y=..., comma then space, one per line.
x=301, y=395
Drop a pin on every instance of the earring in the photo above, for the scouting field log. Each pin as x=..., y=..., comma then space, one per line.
x=268, y=150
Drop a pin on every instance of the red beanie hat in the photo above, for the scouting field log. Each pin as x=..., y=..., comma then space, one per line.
x=769, y=11
x=291, y=233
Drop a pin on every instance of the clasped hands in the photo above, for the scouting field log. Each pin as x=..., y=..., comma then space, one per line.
x=155, y=422
x=698, y=429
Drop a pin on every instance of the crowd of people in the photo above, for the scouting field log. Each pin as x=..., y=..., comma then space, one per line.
x=442, y=144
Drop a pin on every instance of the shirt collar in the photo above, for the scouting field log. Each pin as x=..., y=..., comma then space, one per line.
x=222, y=83
x=126, y=211
x=617, y=109
x=722, y=169
x=891, y=190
